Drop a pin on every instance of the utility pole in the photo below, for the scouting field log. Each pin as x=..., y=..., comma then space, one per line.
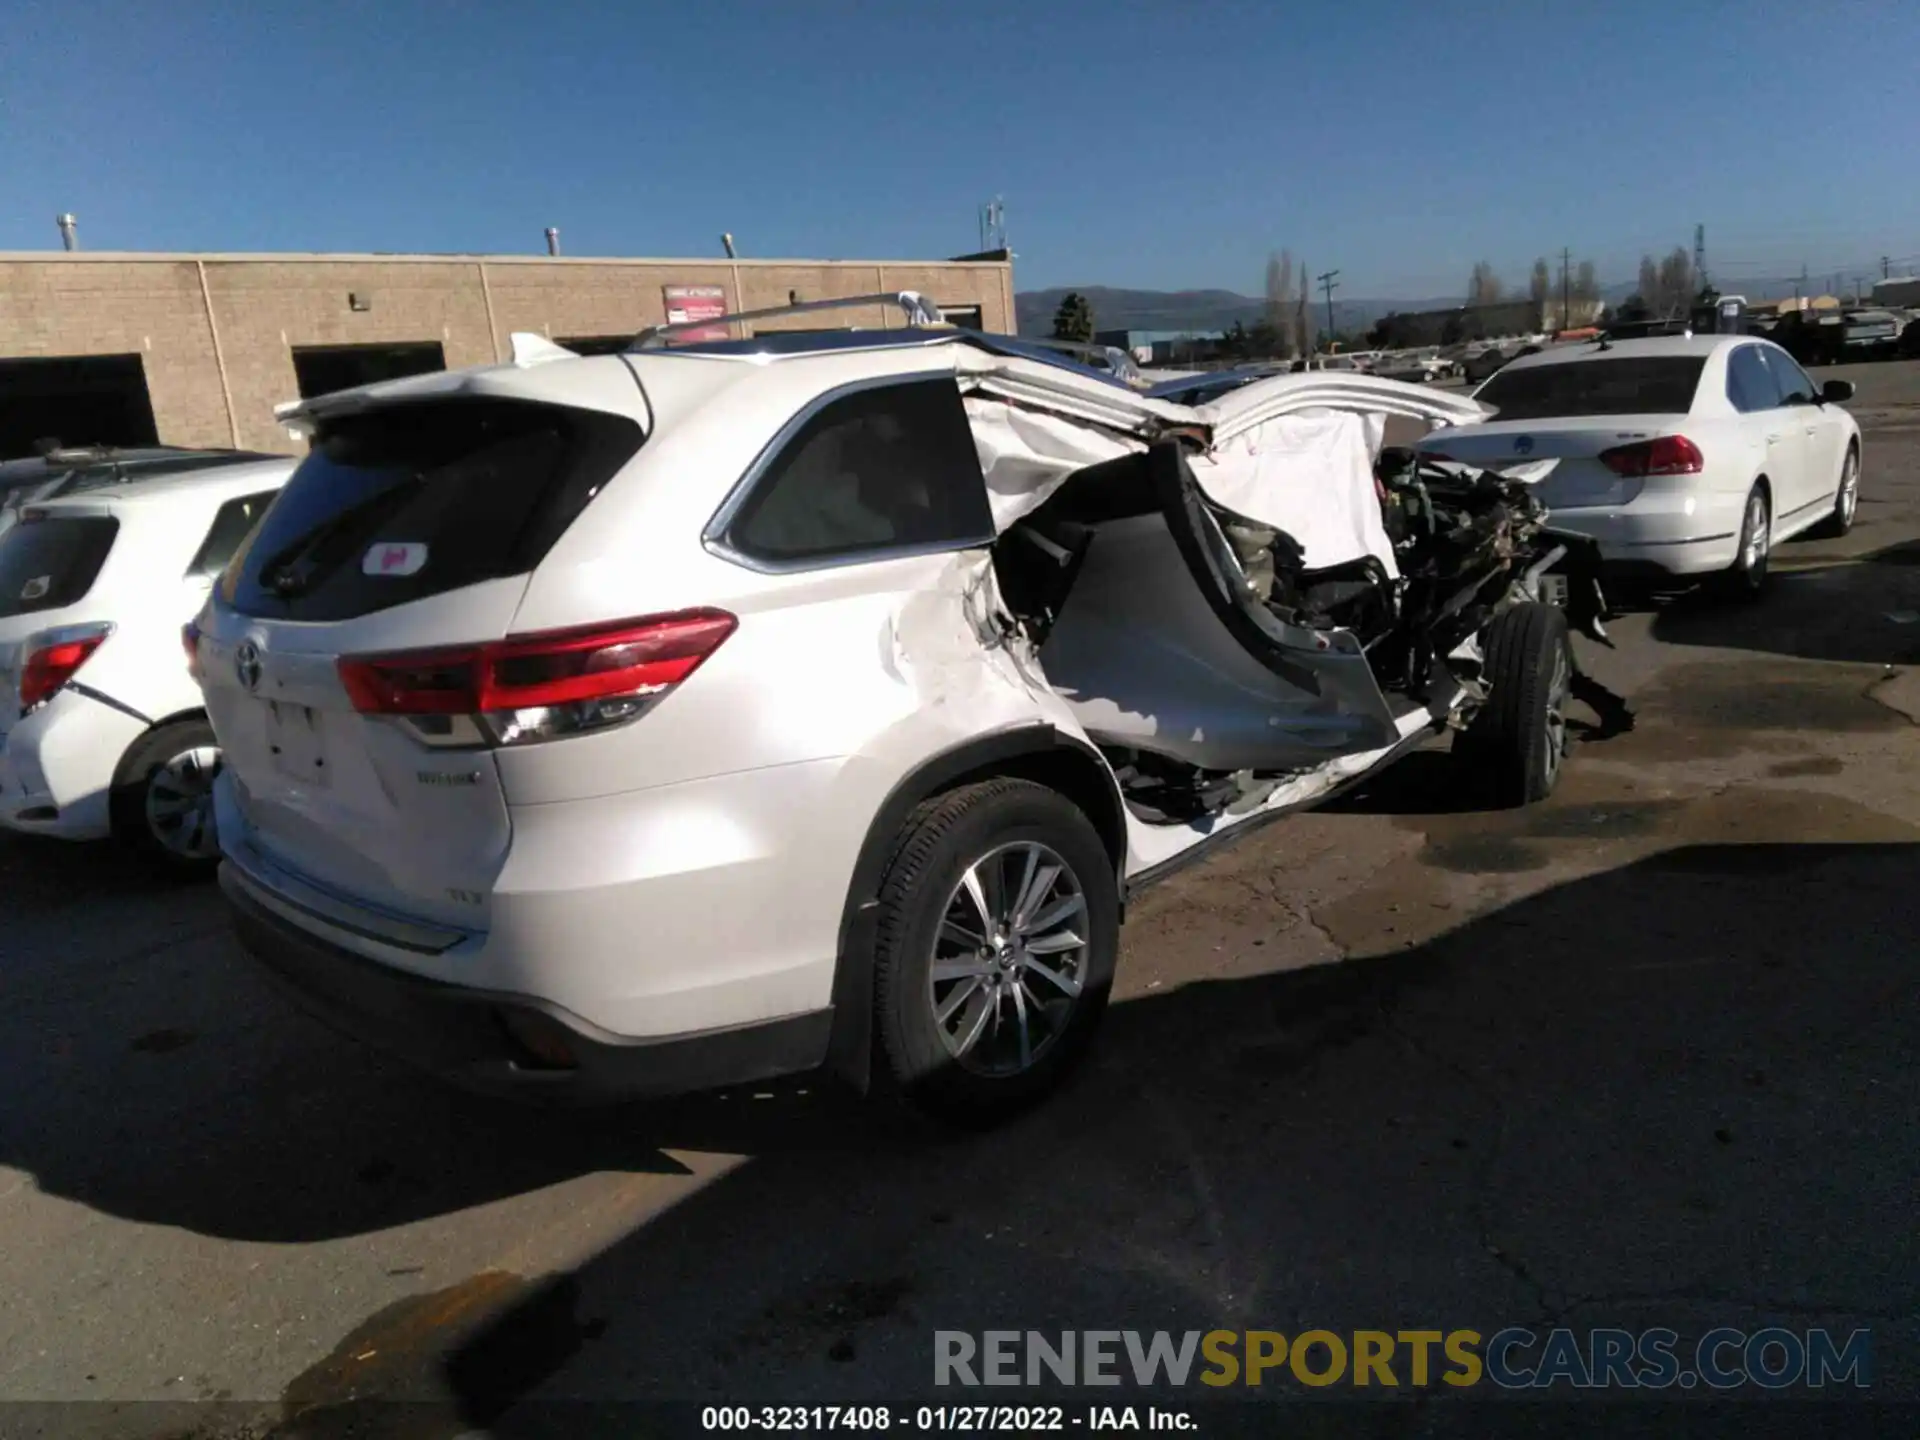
x=1885, y=272
x=1700, y=255
x=1327, y=284
x=1566, y=304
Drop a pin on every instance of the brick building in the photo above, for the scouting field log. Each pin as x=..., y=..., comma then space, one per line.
x=198, y=349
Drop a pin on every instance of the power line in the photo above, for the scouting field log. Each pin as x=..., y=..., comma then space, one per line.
x=1327, y=284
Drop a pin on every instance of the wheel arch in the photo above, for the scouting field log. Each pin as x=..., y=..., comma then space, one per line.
x=158, y=723
x=1040, y=753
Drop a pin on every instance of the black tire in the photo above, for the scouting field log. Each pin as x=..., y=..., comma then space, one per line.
x=1516, y=743
x=992, y=825
x=1846, y=499
x=1746, y=578
x=151, y=777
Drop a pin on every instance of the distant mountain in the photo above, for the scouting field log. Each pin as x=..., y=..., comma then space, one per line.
x=1210, y=311
x=1202, y=311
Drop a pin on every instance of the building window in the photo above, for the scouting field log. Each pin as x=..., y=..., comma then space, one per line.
x=322, y=369
x=75, y=400
x=597, y=344
x=967, y=317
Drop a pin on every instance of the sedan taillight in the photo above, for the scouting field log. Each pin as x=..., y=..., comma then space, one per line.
x=542, y=687
x=1663, y=455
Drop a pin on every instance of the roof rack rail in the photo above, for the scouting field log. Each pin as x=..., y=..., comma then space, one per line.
x=919, y=311
x=1119, y=361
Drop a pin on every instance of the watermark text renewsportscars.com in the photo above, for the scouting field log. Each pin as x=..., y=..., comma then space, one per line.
x=1514, y=1358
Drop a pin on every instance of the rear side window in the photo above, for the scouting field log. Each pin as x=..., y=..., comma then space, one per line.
x=1750, y=386
x=879, y=470
x=408, y=501
x=230, y=526
x=50, y=564
x=1642, y=385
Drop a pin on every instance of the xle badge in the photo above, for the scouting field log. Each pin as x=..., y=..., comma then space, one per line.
x=394, y=557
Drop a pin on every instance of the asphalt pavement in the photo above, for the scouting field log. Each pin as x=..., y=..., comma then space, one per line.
x=1641, y=1056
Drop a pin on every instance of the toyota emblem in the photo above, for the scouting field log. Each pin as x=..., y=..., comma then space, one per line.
x=246, y=664
x=1523, y=445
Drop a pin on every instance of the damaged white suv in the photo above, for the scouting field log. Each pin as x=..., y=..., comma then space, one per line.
x=655, y=721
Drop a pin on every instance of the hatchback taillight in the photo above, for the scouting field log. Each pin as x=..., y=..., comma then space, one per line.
x=542, y=687
x=53, y=659
x=1663, y=455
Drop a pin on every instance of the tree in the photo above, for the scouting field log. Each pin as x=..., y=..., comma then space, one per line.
x=1453, y=331
x=1282, y=306
x=1303, y=327
x=1648, y=293
x=1484, y=287
x=1631, y=309
x=1074, y=319
x=1540, y=283
x=1677, y=283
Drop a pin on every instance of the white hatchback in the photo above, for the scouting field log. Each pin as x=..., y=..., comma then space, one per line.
x=643, y=722
x=102, y=731
x=1681, y=455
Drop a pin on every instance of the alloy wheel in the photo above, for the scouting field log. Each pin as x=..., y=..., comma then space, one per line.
x=1009, y=960
x=1849, y=488
x=179, y=804
x=1755, y=541
x=1559, y=691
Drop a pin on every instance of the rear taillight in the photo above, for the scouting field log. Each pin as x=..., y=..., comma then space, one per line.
x=542, y=687
x=1663, y=455
x=54, y=658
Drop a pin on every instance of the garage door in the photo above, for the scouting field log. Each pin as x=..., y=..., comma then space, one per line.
x=322, y=369
x=75, y=400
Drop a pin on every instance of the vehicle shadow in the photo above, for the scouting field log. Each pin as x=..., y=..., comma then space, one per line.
x=1652, y=1096
x=1859, y=608
x=150, y=1072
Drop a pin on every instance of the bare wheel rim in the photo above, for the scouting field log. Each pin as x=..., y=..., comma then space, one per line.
x=1753, y=547
x=1849, y=488
x=180, y=804
x=1009, y=960
x=1559, y=691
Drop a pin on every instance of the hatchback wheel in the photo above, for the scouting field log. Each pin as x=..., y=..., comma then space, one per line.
x=995, y=946
x=163, y=800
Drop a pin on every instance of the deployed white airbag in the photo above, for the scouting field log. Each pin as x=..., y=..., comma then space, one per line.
x=1309, y=474
x=1026, y=454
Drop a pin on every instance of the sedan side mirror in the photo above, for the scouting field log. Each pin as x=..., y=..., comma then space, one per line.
x=1836, y=392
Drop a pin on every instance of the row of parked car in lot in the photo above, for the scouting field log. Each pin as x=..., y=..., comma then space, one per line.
x=632, y=723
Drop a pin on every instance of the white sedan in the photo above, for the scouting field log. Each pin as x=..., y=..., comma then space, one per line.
x=1681, y=455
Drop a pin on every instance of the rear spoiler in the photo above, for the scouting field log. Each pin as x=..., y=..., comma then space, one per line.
x=528, y=350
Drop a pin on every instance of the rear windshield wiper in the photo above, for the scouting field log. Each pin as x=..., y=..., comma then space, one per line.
x=277, y=573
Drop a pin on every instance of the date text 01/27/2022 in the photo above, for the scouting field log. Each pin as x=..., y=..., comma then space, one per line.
x=1011, y=1419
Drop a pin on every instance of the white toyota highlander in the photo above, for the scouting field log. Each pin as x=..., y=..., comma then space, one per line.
x=644, y=722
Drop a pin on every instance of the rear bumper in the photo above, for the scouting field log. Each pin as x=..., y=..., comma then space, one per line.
x=57, y=767
x=1663, y=533
x=479, y=1039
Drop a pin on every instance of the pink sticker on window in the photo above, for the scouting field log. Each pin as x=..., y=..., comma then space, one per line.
x=394, y=557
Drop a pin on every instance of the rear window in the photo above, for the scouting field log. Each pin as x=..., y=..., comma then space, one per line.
x=1643, y=385
x=51, y=564
x=414, y=500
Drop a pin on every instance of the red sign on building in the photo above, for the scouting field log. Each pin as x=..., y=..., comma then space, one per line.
x=696, y=302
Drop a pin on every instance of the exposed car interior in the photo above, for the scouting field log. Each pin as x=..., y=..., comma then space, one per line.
x=1211, y=659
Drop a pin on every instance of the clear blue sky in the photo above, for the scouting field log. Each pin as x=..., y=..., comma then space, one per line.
x=1169, y=144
